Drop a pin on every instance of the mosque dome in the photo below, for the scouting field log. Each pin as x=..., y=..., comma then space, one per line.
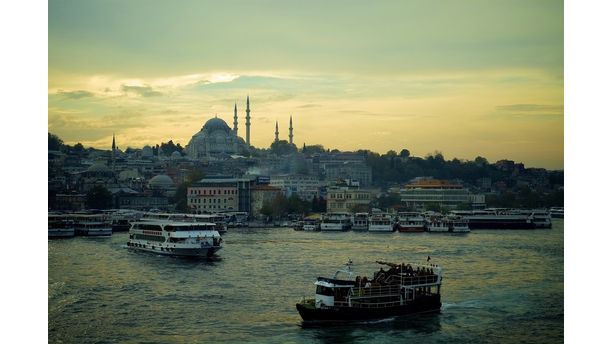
x=98, y=167
x=147, y=151
x=215, y=124
x=176, y=155
x=161, y=181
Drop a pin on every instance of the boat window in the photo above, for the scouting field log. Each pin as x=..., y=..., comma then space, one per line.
x=321, y=290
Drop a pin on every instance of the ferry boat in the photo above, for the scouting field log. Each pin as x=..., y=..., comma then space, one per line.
x=541, y=218
x=556, y=212
x=401, y=290
x=336, y=222
x=438, y=224
x=410, y=222
x=120, y=219
x=175, y=238
x=381, y=223
x=497, y=219
x=60, y=226
x=459, y=225
x=311, y=225
x=360, y=222
x=217, y=219
x=91, y=224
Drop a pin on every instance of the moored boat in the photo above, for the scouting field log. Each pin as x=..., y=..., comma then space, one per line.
x=175, y=238
x=60, y=226
x=380, y=223
x=403, y=289
x=438, y=224
x=409, y=222
x=458, y=225
x=91, y=225
x=556, y=212
x=311, y=225
x=336, y=222
x=360, y=222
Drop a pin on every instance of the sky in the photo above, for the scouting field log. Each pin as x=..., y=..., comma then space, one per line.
x=465, y=78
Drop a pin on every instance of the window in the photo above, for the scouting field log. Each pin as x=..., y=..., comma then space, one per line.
x=321, y=290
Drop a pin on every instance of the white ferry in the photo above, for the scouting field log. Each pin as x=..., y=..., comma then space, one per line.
x=438, y=224
x=541, y=218
x=556, y=212
x=60, y=226
x=459, y=225
x=217, y=219
x=360, y=222
x=312, y=225
x=336, y=222
x=410, y=222
x=91, y=224
x=174, y=238
x=381, y=223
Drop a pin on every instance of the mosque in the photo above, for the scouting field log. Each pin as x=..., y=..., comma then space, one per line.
x=217, y=138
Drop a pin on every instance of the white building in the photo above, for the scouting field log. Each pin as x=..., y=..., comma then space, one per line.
x=305, y=187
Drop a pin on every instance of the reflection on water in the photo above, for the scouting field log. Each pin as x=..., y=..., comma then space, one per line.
x=499, y=286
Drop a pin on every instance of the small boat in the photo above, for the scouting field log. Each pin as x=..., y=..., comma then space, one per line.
x=175, y=238
x=311, y=225
x=401, y=290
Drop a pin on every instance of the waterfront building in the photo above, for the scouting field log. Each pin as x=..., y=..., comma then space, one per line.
x=220, y=194
x=420, y=193
x=304, y=186
x=346, y=198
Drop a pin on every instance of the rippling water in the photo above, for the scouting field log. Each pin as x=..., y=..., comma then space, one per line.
x=499, y=287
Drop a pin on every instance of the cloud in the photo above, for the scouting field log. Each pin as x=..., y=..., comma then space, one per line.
x=530, y=108
x=143, y=91
x=75, y=94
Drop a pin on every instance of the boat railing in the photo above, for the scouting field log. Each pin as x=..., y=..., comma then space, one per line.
x=375, y=291
x=405, y=279
x=356, y=304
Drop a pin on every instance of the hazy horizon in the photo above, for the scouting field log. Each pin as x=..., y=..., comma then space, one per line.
x=475, y=78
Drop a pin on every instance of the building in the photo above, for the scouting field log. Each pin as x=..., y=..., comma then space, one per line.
x=261, y=194
x=421, y=193
x=346, y=198
x=353, y=170
x=304, y=186
x=220, y=194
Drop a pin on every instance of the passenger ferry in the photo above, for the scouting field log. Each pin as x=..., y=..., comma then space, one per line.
x=336, y=222
x=91, y=224
x=438, y=224
x=499, y=219
x=401, y=290
x=121, y=219
x=381, y=223
x=541, y=218
x=60, y=226
x=410, y=222
x=556, y=212
x=312, y=225
x=175, y=238
x=360, y=221
x=217, y=219
x=458, y=225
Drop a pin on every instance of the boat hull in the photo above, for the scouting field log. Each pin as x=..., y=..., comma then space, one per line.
x=61, y=233
x=500, y=225
x=177, y=252
x=410, y=229
x=343, y=314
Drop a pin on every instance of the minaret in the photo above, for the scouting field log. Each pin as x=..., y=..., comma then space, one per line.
x=235, y=119
x=276, y=133
x=248, y=124
x=290, y=129
x=114, y=148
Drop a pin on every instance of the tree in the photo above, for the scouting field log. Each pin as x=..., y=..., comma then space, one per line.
x=404, y=153
x=282, y=147
x=180, y=196
x=99, y=198
x=55, y=143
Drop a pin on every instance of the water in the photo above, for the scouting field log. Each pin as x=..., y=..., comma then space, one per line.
x=498, y=287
